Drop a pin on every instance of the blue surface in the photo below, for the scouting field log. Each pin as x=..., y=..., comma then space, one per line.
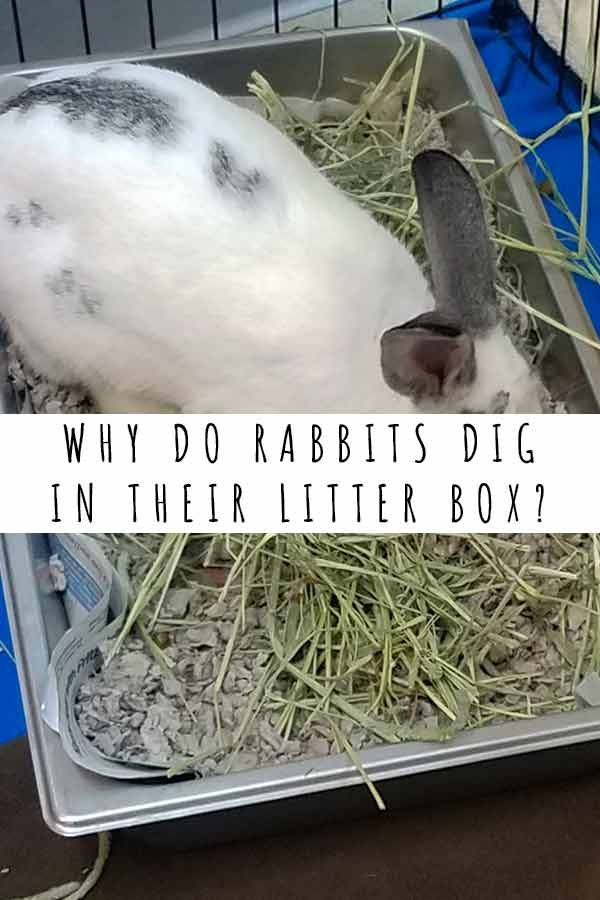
x=12, y=720
x=529, y=99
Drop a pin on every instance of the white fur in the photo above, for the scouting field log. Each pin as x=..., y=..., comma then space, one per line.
x=211, y=302
x=495, y=355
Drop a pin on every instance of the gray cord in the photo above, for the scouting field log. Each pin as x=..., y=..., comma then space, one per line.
x=76, y=890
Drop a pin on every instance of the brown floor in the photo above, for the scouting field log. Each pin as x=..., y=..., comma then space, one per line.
x=538, y=843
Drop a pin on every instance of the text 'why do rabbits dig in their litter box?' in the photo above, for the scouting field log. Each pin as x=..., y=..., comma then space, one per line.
x=300, y=473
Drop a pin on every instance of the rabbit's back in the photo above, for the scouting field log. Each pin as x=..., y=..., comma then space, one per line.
x=144, y=218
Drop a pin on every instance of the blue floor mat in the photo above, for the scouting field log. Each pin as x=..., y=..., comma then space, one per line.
x=529, y=98
x=12, y=720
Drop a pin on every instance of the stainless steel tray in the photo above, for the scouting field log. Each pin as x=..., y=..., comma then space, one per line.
x=73, y=801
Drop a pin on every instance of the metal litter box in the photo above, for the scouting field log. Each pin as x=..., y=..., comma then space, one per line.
x=73, y=801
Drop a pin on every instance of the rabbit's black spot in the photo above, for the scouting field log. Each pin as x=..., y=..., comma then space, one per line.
x=64, y=286
x=110, y=105
x=33, y=214
x=228, y=175
x=89, y=302
x=37, y=214
x=13, y=215
x=62, y=283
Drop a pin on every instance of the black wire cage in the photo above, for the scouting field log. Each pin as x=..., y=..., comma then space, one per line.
x=50, y=29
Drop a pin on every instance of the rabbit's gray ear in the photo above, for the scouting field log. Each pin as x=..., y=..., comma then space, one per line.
x=428, y=358
x=457, y=242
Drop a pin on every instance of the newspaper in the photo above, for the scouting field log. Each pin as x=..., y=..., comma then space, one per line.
x=94, y=596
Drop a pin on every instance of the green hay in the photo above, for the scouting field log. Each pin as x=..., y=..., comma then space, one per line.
x=368, y=156
x=361, y=630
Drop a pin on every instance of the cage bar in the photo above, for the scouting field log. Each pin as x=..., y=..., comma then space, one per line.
x=85, y=27
x=17, y=26
x=151, y=25
x=595, y=51
x=501, y=16
x=534, y=33
x=563, y=48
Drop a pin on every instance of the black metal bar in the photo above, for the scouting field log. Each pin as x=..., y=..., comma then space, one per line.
x=596, y=37
x=84, y=27
x=563, y=48
x=389, y=6
x=440, y=7
x=534, y=33
x=215, y=18
x=151, y=25
x=276, y=19
x=336, y=13
x=536, y=14
x=18, y=35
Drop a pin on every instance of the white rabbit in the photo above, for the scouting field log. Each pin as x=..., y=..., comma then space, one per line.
x=550, y=24
x=168, y=249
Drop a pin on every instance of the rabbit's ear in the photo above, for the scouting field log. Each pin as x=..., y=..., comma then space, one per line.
x=427, y=358
x=457, y=242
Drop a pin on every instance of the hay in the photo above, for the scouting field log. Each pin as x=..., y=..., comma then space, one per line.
x=368, y=155
x=320, y=643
